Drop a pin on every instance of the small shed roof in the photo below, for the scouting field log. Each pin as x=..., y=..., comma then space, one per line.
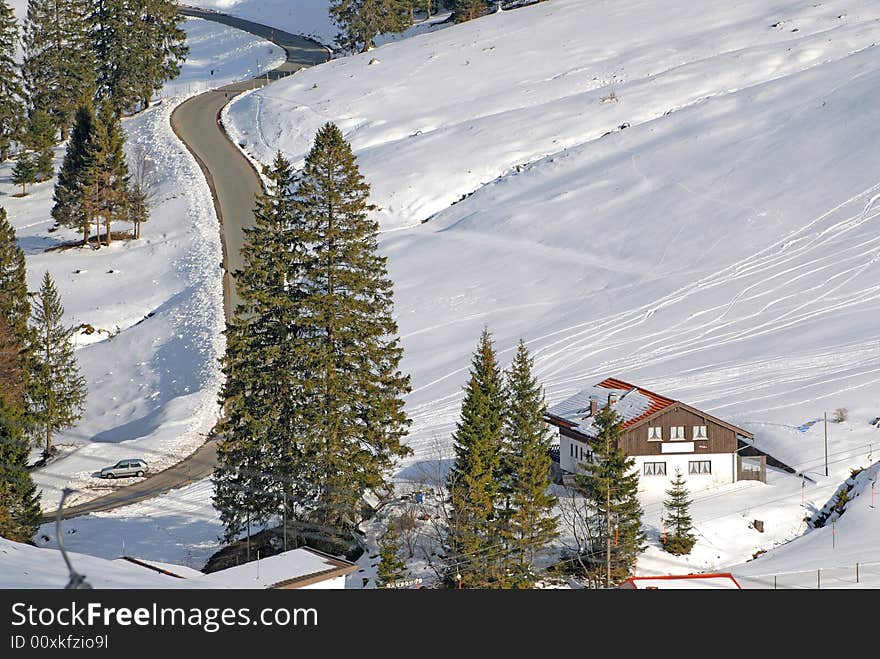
x=291, y=569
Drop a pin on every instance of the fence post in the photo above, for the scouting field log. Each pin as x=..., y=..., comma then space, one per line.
x=857, y=573
x=774, y=582
x=819, y=579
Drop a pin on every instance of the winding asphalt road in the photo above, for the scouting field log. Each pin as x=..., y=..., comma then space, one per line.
x=234, y=185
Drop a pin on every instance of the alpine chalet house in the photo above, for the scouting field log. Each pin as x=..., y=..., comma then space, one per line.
x=660, y=433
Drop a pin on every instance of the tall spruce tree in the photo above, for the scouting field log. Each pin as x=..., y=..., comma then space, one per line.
x=392, y=568
x=109, y=191
x=74, y=207
x=474, y=482
x=58, y=391
x=12, y=384
x=260, y=458
x=14, y=305
x=679, y=539
x=12, y=108
x=19, y=498
x=138, y=45
x=58, y=68
x=348, y=359
x=163, y=41
x=530, y=525
x=611, y=488
x=360, y=21
x=40, y=138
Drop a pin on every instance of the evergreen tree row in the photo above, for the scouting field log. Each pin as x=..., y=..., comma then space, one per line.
x=313, y=393
x=118, y=51
x=41, y=389
x=500, y=507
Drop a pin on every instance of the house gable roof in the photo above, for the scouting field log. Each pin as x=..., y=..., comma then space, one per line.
x=634, y=405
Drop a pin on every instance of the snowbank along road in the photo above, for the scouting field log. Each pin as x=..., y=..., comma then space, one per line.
x=234, y=185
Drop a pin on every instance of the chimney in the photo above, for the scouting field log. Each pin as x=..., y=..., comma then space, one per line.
x=612, y=398
x=594, y=407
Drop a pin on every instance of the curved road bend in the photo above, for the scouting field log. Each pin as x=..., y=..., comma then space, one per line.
x=234, y=184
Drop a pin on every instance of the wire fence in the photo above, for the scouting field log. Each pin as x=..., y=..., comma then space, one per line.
x=856, y=575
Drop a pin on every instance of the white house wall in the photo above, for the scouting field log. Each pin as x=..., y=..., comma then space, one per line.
x=723, y=470
x=723, y=466
x=336, y=583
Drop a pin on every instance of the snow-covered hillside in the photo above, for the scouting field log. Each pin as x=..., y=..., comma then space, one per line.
x=156, y=303
x=683, y=199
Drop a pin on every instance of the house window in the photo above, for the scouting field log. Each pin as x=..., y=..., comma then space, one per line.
x=700, y=467
x=676, y=432
x=655, y=433
x=580, y=453
x=655, y=469
x=700, y=432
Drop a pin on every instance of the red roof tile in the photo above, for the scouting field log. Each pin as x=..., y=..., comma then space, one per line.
x=658, y=402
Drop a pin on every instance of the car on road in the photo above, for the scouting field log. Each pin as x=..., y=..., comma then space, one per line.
x=129, y=467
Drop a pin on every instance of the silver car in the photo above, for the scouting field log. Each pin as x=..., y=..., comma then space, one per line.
x=129, y=467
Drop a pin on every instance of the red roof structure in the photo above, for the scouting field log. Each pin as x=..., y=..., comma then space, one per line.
x=658, y=402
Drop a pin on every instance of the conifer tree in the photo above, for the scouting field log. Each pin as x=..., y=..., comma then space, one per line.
x=58, y=68
x=77, y=174
x=25, y=171
x=12, y=385
x=360, y=21
x=12, y=109
x=40, y=138
x=260, y=456
x=348, y=360
x=138, y=45
x=679, y=539
x=466, y=10
x=392, y=568
x=14, y=306
x=530, y=524
x=19, y=498
x=163, y=40
x=58, y=392
x=611, y=488
x=109, y=190
x=474, y=482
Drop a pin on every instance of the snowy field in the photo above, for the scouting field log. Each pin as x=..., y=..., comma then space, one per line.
x=156, y=303
x=684, y=200
x=179, y=527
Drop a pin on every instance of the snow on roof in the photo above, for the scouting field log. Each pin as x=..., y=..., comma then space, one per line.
x=24, y=566
x=181, y=571
x=294, y=565
x=632, y=405
x=684, y=582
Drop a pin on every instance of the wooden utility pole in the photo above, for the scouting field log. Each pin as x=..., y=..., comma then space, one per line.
x=826, y=443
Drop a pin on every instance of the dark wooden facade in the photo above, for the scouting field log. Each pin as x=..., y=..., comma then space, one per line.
x=720, y=437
